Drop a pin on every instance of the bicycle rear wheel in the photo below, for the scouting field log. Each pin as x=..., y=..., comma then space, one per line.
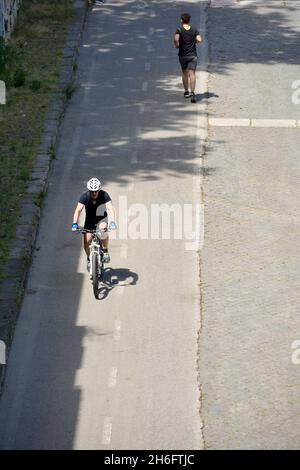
x=95, y=274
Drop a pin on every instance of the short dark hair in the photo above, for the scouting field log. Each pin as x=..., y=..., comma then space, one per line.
x=185, y=17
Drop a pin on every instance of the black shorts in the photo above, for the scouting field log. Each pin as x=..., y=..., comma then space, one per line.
x=188, y=62
x=91, y=224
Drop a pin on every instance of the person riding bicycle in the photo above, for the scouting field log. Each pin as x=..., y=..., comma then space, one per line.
x=100, y=214
x=90, y=3
x=186, y=39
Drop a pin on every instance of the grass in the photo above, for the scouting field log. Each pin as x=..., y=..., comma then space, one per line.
x=29, y=65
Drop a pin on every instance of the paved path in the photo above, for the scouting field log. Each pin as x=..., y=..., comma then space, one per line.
x=120, y=372
x=251, y=256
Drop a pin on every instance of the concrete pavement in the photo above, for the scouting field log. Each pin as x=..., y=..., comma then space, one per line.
x=120, y=372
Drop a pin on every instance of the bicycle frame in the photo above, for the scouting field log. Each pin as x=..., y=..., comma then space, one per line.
x=96, y=257
x=97, y=248
x=96, y=244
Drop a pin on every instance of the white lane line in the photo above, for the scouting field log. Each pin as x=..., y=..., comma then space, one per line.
x=220, y=122
x=112, y=379
x=147, y=66
x=273, y=123
x=236, y=122
x=134, y=157
x=123, y=251
x=145, y=86
x=107, y=430
x=79, y=378
x=117, y=332
x=149, y=48
x=151, y=30
x=142, y=108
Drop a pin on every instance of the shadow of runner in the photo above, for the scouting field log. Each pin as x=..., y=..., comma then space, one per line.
x=206, y=96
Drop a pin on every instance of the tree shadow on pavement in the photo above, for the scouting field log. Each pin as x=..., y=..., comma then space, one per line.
x=260, y=34
x=111, y=115
x=117, y=38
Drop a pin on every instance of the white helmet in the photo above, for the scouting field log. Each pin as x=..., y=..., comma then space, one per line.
x=94, y=184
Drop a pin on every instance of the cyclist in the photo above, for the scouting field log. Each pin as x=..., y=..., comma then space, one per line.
x=95, y=2
x=95, y=201
x=186, y=38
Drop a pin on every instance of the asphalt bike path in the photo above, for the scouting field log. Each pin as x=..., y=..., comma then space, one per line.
x=119, y=372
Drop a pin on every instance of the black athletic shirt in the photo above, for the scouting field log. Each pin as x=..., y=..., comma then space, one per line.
x=187, y=41
x=91, y=205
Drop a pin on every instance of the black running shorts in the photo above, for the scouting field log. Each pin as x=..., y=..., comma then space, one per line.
x=188, y=62
x=91, y=224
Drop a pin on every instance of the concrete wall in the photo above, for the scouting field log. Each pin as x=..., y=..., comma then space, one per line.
x=8, y=13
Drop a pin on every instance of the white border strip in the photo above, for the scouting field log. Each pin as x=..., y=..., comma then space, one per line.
x=236, y=122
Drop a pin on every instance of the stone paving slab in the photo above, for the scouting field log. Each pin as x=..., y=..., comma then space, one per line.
x=251, y=290
x=251, y=256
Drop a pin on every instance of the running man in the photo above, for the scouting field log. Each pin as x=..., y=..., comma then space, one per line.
x=186, y=38
x=99, y=213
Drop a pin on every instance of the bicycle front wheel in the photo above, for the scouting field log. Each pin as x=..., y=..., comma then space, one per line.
x=95, y=274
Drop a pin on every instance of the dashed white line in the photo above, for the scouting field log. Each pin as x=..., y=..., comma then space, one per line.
x=142, y=108
x=112, y=379
x=134, y=157
x=151, y=30
x=145, y=86
x=107, y=430
x=117, y=332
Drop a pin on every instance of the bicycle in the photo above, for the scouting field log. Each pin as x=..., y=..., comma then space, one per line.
x=96, y=257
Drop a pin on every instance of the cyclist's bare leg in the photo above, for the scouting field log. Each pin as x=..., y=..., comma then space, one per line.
x=192, y=79
x=87, y=240
x=104, y=236
x=185, y=79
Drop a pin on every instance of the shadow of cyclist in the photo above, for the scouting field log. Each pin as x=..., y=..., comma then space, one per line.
x=114, y=278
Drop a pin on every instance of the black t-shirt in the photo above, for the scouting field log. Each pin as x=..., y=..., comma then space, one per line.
x=187, y=41
x=91, y=205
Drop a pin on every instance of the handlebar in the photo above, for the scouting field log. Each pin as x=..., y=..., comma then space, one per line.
x=86, y=230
